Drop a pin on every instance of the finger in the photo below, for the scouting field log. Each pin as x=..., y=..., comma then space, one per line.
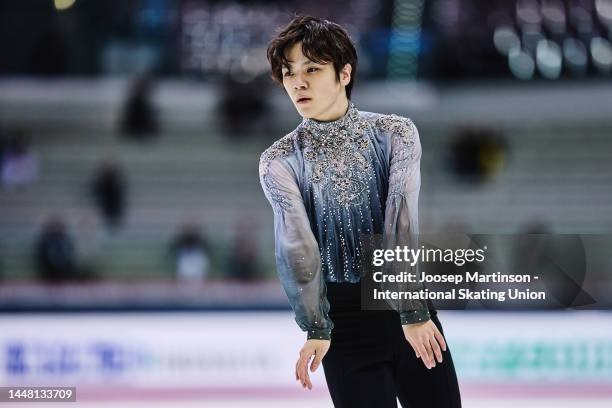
x=297, y=369
x=436, y=349
x=440, y=338
x=416, y=352
x=301, y=371
x=423, y=353
x=307, y=383
x=304, y=372
x=430, y=353
x=316, y=361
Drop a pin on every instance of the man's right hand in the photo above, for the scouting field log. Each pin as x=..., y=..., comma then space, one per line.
x=316, y=348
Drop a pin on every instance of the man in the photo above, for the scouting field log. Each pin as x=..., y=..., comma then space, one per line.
x=340, y=174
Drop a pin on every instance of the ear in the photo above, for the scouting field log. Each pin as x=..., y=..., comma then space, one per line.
x=345, y=74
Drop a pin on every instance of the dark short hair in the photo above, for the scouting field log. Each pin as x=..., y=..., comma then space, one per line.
x=322, y=41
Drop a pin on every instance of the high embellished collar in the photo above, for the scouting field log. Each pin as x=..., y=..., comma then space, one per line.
x=334, y=127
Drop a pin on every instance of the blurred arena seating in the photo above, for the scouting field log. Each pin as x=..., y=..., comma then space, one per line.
x=553, y=172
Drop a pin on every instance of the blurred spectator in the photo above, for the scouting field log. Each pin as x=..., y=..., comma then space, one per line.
x=244, y=106
x=19, y=162
x=477, y=153
x=139, y=120
x=109, y=190
x=191, y=254
x=88, y=246
x=55, y=253
x=243, y=261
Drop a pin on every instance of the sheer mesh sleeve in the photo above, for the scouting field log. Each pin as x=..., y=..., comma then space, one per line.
x=298, y=260
x=401, y=213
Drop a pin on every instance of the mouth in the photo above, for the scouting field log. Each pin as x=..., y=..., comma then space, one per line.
x=303, y=100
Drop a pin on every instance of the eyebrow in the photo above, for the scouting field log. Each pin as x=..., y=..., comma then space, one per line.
x=306, y=62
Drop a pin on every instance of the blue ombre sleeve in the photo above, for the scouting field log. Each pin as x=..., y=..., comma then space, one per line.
x=298, y=260
x=401, y=212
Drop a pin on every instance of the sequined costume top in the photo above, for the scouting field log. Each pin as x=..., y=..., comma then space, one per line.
x=327, y=183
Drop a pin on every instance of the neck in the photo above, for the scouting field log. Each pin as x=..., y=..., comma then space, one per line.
x=336, y=127
x=338, y=110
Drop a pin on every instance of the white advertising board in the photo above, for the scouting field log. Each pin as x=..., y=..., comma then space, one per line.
x=259, y=349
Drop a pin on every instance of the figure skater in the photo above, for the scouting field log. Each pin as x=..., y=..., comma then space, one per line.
x=340, y=174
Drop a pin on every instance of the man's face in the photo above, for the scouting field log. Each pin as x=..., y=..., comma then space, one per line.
x=313, y=88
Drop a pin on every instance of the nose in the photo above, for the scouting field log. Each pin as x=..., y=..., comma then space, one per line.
x=299, y=82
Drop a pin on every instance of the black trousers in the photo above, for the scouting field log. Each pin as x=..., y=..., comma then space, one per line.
x=370, y=363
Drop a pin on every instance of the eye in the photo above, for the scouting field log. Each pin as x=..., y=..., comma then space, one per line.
x=287, y=73
x=313, y=69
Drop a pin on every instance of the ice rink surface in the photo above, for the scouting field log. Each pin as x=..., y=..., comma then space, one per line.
x=324, y=402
